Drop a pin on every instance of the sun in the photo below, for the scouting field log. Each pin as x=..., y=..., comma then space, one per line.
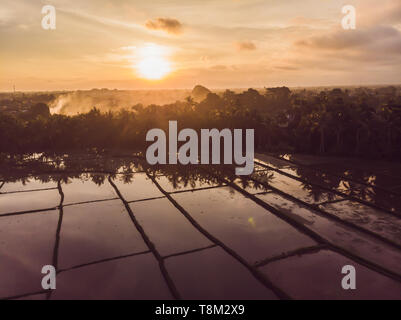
x=152, y=62
x=153, y=68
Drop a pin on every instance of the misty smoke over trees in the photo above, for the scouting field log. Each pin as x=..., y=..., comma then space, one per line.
x=357, y=121
x=72, y=103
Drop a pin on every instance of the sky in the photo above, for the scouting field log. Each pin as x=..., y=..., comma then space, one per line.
x=130, y=44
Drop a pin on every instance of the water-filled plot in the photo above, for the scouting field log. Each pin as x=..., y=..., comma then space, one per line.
x=139, y=232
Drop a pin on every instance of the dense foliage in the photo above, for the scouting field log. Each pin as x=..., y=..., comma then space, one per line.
x=361, y=122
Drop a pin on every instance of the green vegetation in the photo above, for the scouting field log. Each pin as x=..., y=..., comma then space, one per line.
x=361, y=122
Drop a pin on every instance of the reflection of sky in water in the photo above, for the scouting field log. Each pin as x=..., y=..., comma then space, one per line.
x=192, y=230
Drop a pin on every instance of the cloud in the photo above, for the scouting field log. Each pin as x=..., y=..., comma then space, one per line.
x=374, y=48
x=286, y=68
x=389, y=13
x=311, y=22
x=219, y=67
x=105, y=21
x=245, y=46
x=171, y=26
x=381, y=39
x=5, y=16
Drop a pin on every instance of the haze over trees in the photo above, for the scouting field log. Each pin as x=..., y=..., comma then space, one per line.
x=357, y=122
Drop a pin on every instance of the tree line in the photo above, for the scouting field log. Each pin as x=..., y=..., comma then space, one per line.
x=363, y=122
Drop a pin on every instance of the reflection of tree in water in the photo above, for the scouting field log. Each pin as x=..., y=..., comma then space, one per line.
x=96, y=168
x=356, y=182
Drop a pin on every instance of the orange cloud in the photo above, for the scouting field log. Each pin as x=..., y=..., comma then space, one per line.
x=245, y=46
x=172, y=26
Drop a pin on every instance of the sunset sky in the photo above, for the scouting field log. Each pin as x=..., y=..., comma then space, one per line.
x=216, y=43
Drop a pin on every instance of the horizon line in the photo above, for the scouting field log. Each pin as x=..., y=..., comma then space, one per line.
x=210, y=88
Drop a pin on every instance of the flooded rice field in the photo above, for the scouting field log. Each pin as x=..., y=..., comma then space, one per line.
x=115, y=228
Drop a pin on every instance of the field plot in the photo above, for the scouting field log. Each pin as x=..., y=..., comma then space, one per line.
x=129, y=231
